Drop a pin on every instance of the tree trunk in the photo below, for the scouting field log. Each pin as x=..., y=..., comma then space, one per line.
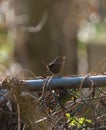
x=57, y=37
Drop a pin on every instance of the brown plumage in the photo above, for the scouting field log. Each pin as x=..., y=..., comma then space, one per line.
x=57, y=65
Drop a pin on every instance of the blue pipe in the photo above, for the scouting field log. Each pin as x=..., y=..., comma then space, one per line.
x=66, y=82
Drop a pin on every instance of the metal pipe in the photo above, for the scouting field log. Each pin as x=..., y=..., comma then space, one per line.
x=100, y=128
x=66, y=82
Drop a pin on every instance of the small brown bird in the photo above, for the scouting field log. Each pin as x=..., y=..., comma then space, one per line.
x=57, y=65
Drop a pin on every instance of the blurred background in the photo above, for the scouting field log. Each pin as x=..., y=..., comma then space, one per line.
x=37, y=31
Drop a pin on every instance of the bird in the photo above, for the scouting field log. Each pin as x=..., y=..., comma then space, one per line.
x=57, y=65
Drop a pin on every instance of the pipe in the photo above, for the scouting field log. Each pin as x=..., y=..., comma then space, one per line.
x=66, y=82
